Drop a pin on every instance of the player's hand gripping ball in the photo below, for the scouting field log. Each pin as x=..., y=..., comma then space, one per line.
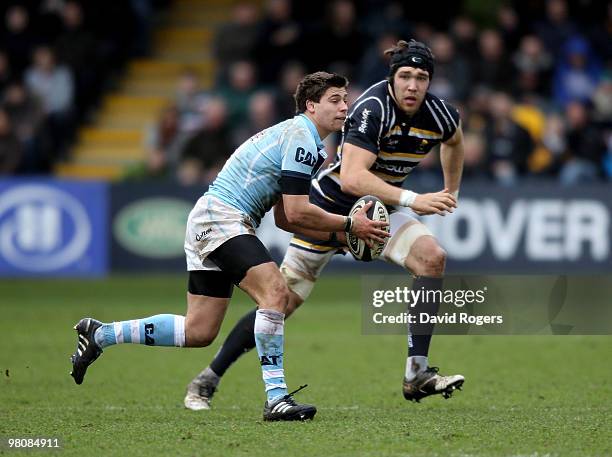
x=377, y=212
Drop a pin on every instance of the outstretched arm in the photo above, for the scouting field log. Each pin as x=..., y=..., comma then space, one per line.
x=357, y=179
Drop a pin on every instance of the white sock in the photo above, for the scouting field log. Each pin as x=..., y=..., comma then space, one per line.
x=414, y=365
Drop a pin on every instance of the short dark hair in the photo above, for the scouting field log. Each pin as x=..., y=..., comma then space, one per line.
x=313, y=86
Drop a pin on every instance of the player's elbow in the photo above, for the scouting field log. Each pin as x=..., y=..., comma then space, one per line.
x=350, y=185
x=294, y=215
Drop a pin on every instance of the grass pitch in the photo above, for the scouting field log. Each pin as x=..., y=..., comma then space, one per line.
x=527, y=396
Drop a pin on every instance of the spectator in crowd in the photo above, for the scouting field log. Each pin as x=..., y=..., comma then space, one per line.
x=241, y=84
x=189, y=99
x=383, y=17
x=600, y=34
x=10, y=147
x=554, y=137
x=509, y=25
x=533, y=66
x=339, y=42
x=54, y=85
x=585, y=147
x=234, y=40
x=577, y=73
x=262, y=114
x=278, y=40
x=465, y=37
x=211, y=145
x=291, y=74
x=161, y=144
x=509, y=145
x=452, y=79
x=76, y=48
x=5, y=71
x=493, y=69
x=557, y=27
x=47, y=20
x=474, y=156
x=602, y=101
x=18, y=39
x=527, y=114
x=27, y=118
x=374, y=64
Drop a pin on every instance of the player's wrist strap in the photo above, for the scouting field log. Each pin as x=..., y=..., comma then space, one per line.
x=333, y=238
x=407, y=197
x=348, y=224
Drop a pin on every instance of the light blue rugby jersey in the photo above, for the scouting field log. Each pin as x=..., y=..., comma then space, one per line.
x=250, y=180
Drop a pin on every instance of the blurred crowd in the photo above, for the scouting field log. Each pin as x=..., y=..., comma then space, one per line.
x=532, y=80
x=56, y=59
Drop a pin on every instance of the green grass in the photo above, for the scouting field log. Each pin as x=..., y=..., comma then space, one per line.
x=531, y=396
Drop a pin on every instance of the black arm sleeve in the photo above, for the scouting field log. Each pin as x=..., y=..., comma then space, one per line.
x=293, y=183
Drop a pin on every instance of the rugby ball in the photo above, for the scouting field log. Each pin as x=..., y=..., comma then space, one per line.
x=377, y=212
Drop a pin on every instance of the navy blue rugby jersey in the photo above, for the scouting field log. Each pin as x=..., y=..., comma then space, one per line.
x=399, y=141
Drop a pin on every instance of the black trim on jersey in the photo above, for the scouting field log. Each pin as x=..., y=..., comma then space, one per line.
x=294, y=185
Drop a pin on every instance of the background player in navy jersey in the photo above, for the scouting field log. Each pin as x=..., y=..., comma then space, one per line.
x=222, y=250
x=390, y=129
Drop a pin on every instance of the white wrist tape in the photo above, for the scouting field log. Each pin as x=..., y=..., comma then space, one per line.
x=407, y=197
x=455, y=194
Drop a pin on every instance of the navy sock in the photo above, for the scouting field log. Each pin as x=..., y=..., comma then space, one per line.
x=421, y=333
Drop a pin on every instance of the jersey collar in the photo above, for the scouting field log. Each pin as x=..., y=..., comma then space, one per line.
x=314, y=131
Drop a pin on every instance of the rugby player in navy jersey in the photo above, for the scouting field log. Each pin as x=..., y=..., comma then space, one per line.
x=390, y=129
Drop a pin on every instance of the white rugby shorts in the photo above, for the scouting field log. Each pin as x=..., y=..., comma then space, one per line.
x=312, y=261
x=211, y=223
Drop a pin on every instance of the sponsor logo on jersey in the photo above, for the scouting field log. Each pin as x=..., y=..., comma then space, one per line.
x=394, y=168
x=305, y=157
x=364, y=120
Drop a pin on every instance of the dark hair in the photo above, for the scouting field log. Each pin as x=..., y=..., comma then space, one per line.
x=411, y=54
x=313, y=86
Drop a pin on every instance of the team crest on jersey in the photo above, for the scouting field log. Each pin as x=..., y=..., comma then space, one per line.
x=422, y=145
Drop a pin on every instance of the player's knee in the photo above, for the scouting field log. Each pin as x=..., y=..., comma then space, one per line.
x=428, y=258
x=434, y=261
x=277, y=295
x=199, y=338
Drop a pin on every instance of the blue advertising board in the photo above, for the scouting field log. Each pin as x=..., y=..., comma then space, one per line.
x=53, y=228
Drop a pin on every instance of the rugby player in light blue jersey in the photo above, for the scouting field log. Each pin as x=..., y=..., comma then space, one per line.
x=274, y=167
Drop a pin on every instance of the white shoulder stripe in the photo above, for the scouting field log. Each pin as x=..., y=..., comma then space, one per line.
x=365, y=92
x=442, y=114
x=382, y=108
x=434, y=116
x=449, y=115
